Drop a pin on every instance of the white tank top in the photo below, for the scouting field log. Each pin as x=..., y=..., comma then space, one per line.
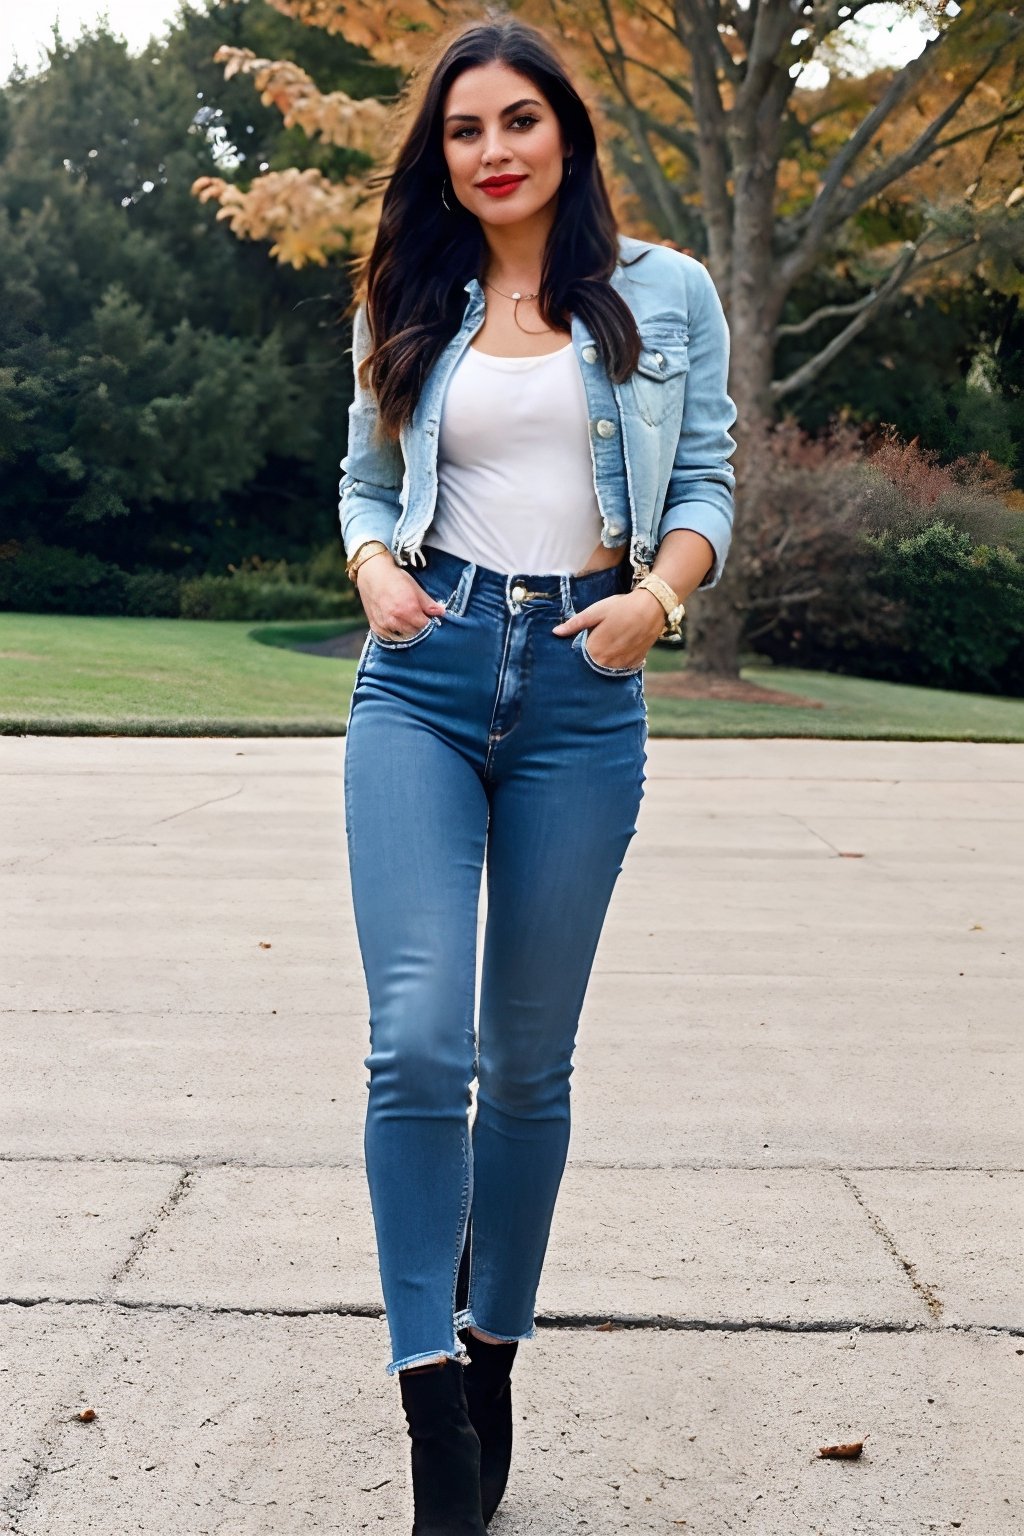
x=514, y=469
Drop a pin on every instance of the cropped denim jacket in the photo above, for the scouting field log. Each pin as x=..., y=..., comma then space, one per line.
x=660, y=443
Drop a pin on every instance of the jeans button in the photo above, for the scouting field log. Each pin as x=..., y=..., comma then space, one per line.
x=518, y=594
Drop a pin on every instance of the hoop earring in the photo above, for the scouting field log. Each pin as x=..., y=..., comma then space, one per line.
x=443, y=198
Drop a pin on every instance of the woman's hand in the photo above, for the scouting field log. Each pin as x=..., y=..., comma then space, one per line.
x=624, y=627
x=395, y=604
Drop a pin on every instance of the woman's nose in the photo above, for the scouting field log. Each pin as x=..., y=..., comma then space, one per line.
x=494, y=150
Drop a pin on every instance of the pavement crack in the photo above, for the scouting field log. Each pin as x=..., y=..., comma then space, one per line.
x=928, y=1295
x=18, y=865
x=179, y=1190
x=221, y=1160
x=792, y=816
x=579, y=1322
x=161, y=820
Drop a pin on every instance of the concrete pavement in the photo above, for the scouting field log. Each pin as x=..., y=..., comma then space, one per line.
x=796, y=1182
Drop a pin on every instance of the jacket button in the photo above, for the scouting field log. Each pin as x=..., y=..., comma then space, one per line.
x=590, y=354
x=606, y=428
x=658, y=358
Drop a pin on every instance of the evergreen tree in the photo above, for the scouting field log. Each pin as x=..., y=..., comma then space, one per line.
x=169, y=397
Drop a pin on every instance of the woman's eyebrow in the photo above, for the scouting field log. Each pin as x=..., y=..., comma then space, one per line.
x=471, y=117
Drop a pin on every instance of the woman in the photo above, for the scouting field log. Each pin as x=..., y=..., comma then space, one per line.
x=540, y=417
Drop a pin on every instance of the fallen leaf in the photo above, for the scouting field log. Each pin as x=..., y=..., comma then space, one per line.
x=264, y=944
x=604, y=1327
x=87, y=1415
x=843, y=855
x=843, y=1452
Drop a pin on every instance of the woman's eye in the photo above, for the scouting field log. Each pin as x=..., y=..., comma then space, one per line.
x=522, y=124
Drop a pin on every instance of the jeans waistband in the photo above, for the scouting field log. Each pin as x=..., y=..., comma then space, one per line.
x=520, y=589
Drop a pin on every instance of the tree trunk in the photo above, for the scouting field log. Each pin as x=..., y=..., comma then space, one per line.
x=714, y=625
x=716, y=619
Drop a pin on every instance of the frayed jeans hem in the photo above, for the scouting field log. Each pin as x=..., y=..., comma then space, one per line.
x=465, y=1319
x=460, y=1356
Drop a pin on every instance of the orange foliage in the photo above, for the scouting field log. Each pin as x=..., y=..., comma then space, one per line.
x=393, y=31
x=637, y=63
x=307, y=217
x=334, y=116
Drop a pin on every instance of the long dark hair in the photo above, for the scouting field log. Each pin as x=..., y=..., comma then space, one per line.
x=424, y=254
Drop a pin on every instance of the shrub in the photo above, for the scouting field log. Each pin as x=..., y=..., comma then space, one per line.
x=964, y=610
x=327, y=568
x=327, y=571
x=275, y=589
x=880, y=561
x=909, y=490
x=248, y=595
x=808, y=566
x=152, y=594
x=41, y=578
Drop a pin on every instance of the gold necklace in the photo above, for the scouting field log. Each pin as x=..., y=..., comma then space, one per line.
x=516, y=299
x=517, y=296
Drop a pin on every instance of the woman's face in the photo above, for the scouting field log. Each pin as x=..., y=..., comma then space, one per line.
x=503, y=144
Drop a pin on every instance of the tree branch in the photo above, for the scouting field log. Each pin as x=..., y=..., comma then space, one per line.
x=993, y=122
x=775, y=24
x=659, y=21
x=713, y=125
x=666, y=80
x=614, y=62
x=929, y=261
x=799, y=327
x=694, y=22
x=781, y=599
x=684, y=142
x=834, y=204
x=743, y=21
x=923, y=147
x=809, y=370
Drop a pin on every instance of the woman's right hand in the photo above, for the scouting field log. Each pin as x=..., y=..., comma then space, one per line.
x=395, y=604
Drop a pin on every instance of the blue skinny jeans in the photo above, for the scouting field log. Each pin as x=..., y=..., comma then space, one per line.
x=485, y=740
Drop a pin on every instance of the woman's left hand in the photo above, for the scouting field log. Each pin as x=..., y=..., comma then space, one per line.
x=624, y=627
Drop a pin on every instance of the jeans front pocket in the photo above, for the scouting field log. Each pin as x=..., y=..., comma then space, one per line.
x=580, y=644
x=405, y=645
x=440, y=589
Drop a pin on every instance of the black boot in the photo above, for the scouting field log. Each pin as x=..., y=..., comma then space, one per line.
x=445, y=1452
x=489, y=1397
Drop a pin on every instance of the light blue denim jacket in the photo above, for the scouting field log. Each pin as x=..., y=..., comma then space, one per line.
x=660, y=442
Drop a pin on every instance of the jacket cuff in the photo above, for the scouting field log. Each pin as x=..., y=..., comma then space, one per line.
x=711, y=521
x=361, y=520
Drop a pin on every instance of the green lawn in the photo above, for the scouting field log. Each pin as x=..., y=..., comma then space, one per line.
x=155, y=677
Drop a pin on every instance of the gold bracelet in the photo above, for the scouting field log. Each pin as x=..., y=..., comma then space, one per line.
x=362, y=553
x=674, y=609
x=364, y=561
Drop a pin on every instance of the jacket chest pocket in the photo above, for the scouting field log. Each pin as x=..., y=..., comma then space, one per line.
x=660, y=378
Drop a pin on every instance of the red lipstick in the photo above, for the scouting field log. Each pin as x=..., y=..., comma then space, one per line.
x=500, y=186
